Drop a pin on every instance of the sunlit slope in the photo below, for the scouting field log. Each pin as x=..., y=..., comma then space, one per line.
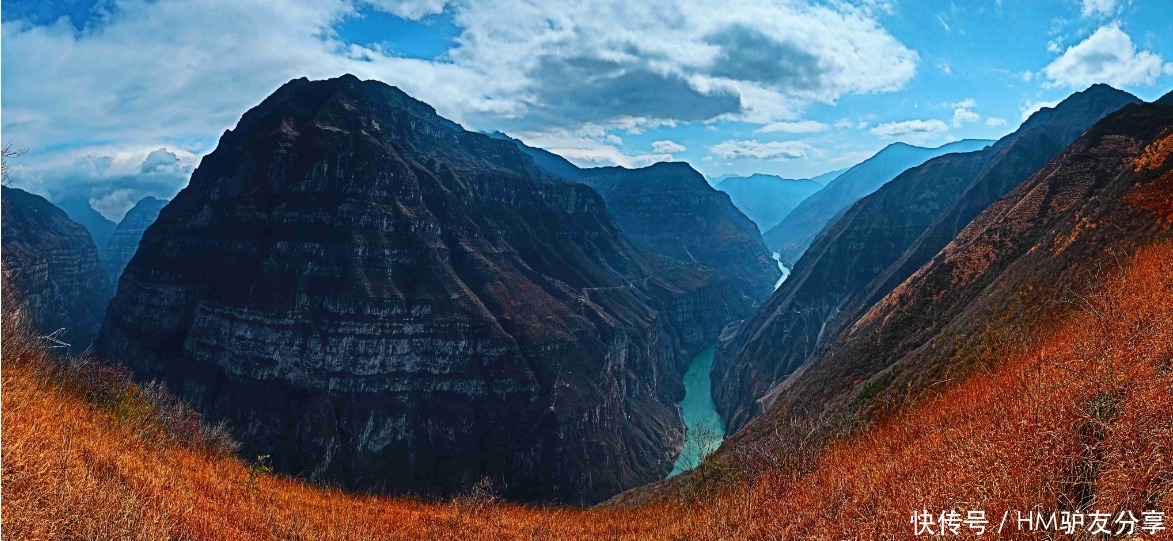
x=1080, y=417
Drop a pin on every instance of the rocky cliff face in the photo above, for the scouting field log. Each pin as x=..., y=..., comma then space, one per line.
x=1020, y=262
x=670, y=208
x=799, y=228
x=51, y=264
x=880, y=241
x=767, y=199
x=376, y=297
x=124, y=241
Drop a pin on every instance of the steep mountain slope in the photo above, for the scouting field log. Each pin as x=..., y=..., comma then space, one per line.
x=376, y=297
x=669, y=208
x=794, y=234
x=665, y=208
x=124, y=241
x=552, y=163
x=767, y=199
x=95, y=458
x=52, y=262
x=877, y=243
x=1029, y=256
x=79, y=210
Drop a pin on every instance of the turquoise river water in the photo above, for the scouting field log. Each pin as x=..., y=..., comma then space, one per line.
x=700, y=412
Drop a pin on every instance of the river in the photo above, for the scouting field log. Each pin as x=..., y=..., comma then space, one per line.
x=705, y=429
x=782, y=267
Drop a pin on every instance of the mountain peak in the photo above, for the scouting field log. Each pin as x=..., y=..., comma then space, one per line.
x=1082, y=108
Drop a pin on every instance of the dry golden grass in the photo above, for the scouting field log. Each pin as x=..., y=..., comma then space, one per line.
x=1082, y=418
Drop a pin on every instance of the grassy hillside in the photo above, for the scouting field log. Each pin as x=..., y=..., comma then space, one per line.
x=1079, y=416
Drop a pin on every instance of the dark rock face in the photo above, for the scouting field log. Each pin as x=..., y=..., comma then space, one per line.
x=52, y=265
x=550, y=162
x=1022, y=260
x=802, y=226
x=376, y=297
x=880, y=241
x=767, y=199
x=670, y=208
x=124, y=241
x=79, y=210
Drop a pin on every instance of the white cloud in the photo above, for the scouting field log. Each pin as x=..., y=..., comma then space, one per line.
x=802, y=126
x=667, y=147
x=178, y=73
x=963, y=112
x=945, y=68
x=1107, y=56
x=995, y=122
x=1031, y=107
x=589, y=146
x=752, y=149
x=413, y=10
x=911, y=131
x=944, y=24
x=1100, y=8
x=160, y=160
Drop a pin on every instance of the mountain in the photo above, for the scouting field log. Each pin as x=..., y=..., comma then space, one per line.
x=794, y=234
x=378, y=298
x=79, y=210
x=552, y=163
x=1167, y=99
x=671, y=209
x=51, y=262
x=883, y=239
x=767, y=199
x=826, y=178
x=1026, y=259
x=123, y=243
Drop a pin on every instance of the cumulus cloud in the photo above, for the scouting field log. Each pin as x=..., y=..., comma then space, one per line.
x=911, y=131
x=802, y=126
x=963, y=112
x=667, y=147
x=112, y=179
x=995, y=122
x=1107, y=56
x=160, y=160
x=752, y=149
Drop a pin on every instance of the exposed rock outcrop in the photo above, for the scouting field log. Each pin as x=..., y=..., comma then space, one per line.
x=51, y=264
x=124, y=241
x=376, y=297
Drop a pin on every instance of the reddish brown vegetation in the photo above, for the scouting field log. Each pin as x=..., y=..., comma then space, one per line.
x=1080, y=418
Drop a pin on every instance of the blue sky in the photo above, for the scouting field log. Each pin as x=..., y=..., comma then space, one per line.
x=118, y=99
